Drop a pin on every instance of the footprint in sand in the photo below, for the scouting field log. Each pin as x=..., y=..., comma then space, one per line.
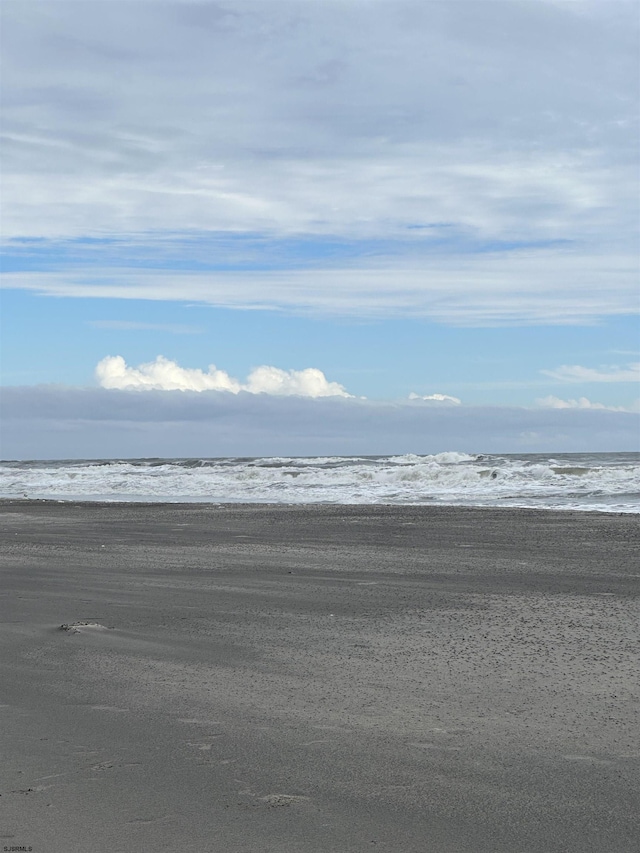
x=275, y=801
x=202, y=747
x=149, y=819
x=196, y=722
x=272, y=801
x=111, y=708
x=435, y=746
x=589, y=758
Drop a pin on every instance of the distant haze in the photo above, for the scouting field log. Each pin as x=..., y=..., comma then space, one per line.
x=73, y=423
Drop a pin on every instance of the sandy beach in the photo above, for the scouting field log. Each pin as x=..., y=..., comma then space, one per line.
x=320, y=679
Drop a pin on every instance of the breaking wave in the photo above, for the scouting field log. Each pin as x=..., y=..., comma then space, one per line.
x=609, y=482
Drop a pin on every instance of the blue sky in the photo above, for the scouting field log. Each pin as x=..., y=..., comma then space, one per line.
x=369, y=199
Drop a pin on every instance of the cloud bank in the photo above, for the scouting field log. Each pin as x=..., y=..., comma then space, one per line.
x=49, y=422
x=165, y=375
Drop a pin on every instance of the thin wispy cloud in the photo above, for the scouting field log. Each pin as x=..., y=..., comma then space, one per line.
x=578, y=373
x=268, y=119
x=553, y=286
x=134, y=326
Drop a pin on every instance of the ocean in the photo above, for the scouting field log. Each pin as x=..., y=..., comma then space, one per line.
x=607, y=482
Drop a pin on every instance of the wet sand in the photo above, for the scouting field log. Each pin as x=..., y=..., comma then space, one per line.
x=318, y=679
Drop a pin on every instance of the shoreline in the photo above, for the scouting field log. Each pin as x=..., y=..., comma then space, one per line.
x=427, y=507
x=319, y=678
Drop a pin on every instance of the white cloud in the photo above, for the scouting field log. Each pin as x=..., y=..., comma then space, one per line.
x=162, y=374
x=614, y=373
x=436, y=398
x=165, y=375
x=310, y=382
x=552, y=402
x=351, y=119
x=557, y=285
x=521, y=196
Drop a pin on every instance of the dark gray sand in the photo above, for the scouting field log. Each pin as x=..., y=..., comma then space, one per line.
x=330, y=679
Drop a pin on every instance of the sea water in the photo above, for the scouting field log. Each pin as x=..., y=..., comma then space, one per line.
x=580, y=481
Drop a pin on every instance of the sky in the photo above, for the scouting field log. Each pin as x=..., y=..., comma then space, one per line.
x=348, y=226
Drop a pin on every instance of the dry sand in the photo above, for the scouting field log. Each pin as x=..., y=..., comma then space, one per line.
x=330, y=679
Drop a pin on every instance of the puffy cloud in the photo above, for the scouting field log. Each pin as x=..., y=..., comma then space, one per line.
x=614, y=373
x=165, y=375
x=162, y=374
x=310, y=382
x=552, y=402
x=437, y=398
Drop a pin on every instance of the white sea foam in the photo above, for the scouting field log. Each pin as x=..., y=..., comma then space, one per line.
x=608, y=482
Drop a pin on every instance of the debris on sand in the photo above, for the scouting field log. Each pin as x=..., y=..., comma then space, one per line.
x=79, y=627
